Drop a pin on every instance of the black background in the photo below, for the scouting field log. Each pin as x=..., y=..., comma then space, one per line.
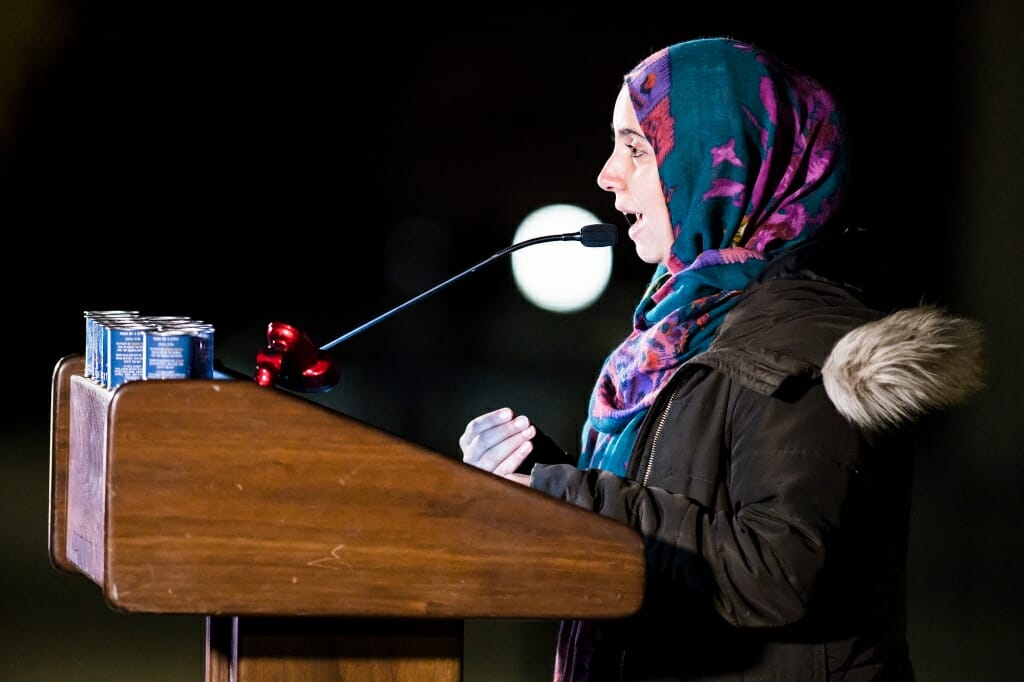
x=318, y=166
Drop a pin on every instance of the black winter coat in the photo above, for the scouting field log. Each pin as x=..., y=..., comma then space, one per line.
x=775, y=527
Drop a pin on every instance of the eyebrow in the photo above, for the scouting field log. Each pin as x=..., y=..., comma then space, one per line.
x=626, y=132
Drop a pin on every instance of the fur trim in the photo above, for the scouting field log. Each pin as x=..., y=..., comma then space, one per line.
x=898, y=368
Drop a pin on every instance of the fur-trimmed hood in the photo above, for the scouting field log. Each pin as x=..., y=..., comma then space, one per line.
x=879, y=370
x=904, y=365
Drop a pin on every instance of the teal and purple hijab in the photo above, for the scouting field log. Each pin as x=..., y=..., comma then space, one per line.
x=752, y=163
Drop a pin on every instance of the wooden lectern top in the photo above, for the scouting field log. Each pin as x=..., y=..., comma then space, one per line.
x=224, y=497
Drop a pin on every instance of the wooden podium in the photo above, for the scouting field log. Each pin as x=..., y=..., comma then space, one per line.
x=316, y=547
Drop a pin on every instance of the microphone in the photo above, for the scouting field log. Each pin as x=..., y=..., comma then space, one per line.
x=291, y=360
x=601, y=234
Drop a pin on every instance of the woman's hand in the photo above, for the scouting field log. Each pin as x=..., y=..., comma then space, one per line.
x=498, y=443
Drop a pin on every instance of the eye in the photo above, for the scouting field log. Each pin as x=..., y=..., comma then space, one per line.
x=634, y=152
x=637, y=145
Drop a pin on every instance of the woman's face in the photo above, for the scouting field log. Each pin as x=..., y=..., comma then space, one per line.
x=631, y=172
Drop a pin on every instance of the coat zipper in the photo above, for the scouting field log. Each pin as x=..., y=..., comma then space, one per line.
x=654, y=440
x=647, y=474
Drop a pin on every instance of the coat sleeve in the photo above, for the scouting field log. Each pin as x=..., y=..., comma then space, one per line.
x=545, y=451
x=759, y=556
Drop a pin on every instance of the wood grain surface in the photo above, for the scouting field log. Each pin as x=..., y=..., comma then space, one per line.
x=224, y=497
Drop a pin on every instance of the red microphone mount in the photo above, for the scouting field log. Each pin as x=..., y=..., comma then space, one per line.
x=291, y=360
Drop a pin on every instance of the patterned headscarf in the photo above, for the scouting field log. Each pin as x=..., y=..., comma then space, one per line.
x=751, y=160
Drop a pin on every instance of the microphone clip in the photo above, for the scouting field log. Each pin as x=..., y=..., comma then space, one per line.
x=291, y=360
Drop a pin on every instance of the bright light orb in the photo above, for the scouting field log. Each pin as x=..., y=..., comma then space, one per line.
x=561, y=277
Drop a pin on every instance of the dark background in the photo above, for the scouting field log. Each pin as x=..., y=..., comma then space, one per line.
x=245, y=164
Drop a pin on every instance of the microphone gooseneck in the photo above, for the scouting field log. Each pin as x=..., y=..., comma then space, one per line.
x=291, y=360
x=599, y=234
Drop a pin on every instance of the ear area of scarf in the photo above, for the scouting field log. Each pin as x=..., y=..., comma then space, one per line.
x=894, y=370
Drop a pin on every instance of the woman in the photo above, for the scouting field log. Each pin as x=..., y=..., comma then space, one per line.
x=755, y=425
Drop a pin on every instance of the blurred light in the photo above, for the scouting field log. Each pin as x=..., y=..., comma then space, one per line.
x=562, y=277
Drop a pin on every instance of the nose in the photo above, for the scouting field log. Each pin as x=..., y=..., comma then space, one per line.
x=609, y=179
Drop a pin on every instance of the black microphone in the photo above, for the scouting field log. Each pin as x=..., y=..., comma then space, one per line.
x=599, y=234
